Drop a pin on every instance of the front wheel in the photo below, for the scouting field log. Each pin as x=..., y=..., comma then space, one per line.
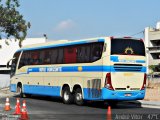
x=78, y=97
x=20, y=92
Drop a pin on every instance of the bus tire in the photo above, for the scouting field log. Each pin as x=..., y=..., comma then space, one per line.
x=78, y=97
x=20, y=92
x=67, y=96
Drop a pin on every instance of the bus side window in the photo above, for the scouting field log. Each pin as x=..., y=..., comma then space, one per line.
x=34, y=58
x=47, y=59
x=60, y=57
x=14, y=64
x=70, y=54
x=83, y=54
x=54, y=55
x=79, y=55
x=96, y=51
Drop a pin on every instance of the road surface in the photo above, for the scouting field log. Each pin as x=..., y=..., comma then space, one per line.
x=47, y=108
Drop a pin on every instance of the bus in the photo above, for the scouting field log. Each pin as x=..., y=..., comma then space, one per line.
x=99, y=69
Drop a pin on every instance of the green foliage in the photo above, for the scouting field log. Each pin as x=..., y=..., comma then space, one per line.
x=152, y=68
x=12, y=23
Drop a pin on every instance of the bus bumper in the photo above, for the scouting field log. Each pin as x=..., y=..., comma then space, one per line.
x=122, y=95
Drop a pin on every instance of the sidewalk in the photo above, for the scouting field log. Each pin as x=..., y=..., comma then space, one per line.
x=150, y=103
x=5, y=92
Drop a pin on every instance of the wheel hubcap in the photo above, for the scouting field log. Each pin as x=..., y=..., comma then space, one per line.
x=66, y=96
x=79, y=96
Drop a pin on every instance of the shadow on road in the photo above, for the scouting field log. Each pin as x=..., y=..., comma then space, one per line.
x=92, y=104
x=120, y=105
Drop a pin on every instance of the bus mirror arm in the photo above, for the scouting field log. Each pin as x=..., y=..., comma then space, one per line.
x=9, y=62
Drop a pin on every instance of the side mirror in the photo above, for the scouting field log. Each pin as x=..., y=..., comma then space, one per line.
x=9, y=62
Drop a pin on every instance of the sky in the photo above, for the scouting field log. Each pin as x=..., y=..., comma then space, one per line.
x=81, y=19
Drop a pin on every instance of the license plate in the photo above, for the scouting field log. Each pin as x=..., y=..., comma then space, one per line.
x=128, y=94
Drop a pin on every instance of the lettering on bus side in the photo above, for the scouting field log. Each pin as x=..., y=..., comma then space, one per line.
x=128, y=61
x=45, y=69
x=54, y=69
x=42, y=69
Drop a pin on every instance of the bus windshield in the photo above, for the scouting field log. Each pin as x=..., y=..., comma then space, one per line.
x=127, y=47
x=14, y=64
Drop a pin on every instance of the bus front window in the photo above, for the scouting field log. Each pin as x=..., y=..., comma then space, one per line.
x=14, y=64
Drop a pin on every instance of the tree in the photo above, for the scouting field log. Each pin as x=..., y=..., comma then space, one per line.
x=152, y=68
x=12, y=24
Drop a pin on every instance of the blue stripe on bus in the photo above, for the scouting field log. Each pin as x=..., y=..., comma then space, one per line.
x=140, y=61
x=92, y=94
x=116, y=59
x=88, y=93
x=86, y=69
x=42, y=90
x=61, y=45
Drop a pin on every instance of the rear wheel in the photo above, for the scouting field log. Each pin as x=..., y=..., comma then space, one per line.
x=78, y=97
x=67, y=96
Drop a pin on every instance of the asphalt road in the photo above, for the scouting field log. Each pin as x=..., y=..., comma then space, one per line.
x=47, y=108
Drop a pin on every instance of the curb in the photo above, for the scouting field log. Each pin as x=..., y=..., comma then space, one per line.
x=150, y=103
x=142, y=103
x=146, y=103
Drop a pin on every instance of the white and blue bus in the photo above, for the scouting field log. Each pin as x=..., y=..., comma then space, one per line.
x=106, y=68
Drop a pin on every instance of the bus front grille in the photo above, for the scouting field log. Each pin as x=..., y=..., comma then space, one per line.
x=94, y=88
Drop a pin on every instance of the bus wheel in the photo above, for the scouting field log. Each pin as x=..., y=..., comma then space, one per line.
x=67, y=96
x=78, y=98
x=20, y=92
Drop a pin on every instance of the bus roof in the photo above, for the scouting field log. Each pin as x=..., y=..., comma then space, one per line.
x=60, y=43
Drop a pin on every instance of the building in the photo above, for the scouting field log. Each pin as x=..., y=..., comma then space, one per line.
x=9, y=46
x=152, y=41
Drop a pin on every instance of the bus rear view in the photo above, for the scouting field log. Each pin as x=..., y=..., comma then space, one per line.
x=126, y=79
